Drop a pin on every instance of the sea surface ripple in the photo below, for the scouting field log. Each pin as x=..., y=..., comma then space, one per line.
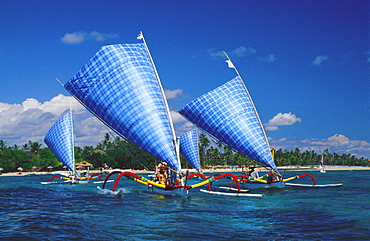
x=32, y=211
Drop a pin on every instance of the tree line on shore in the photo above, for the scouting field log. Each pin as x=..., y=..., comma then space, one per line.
x=116, y=152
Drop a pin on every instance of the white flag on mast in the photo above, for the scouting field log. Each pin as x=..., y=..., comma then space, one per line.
x=140, y=36
x=230, y=64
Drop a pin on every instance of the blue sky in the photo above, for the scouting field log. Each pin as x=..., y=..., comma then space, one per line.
x=305, y=63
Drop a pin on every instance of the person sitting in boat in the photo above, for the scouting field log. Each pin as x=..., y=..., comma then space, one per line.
x=253, y=174
x=161, y=175
x=274, y=177
x=87, y=174
x=78, y=174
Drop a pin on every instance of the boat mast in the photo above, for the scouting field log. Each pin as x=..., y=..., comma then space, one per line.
x=73, y=140
x=196, y=135
x=141, y=36
x=231, y=65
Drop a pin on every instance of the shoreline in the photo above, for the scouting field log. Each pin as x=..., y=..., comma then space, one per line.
x=281, y=168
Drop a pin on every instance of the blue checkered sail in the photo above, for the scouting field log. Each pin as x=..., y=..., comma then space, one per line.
x=60, y=141
x=228, y=114
x=119, y=85
x=189, y=148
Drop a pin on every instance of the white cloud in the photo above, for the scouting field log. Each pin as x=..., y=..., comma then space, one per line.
x=187, y=126
x=89, y=130
x=176, y=117
x=282, y=119
x=270, y=58
x=242, y=51
x=173, y=94
x=214, y=54
x=30, y=104
x=340, y=144
x=319, y=59
x=271, y=128
x=238, y=52
x=339, y=140
x=31, y=120
x=79, y=37
x=337, y=143
x=73, y=38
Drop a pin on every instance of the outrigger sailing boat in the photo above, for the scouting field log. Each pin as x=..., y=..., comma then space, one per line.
x=229, y=114
x=60, y=140
x=121, y=87
x=189, y=148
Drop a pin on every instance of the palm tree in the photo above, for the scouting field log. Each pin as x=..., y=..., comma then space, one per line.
x=106, y=141
x=203, y=143
x=34, y=147
x=2, y=145
x=220, y=145
x=25, y=147
x=228, y=154
x=15, y=147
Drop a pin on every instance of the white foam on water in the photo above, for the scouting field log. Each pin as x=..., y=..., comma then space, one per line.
x=118, y=192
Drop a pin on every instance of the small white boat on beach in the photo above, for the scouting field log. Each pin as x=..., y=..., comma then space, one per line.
x=322, y=165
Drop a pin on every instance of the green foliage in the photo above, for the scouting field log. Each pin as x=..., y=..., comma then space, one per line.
x=117, y=153
x=10, y=159
x=45, y=158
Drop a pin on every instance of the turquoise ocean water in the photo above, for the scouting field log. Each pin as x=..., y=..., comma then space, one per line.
x=32, y=211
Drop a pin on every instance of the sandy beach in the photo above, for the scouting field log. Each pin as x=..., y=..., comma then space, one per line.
x=289, y=168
